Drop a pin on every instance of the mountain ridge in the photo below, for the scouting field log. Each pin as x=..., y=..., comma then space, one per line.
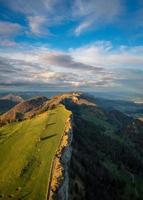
x=106, y=160
x=13, y=97
x=23, y=110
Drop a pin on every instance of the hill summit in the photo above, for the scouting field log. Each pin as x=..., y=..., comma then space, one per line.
x=13, y=98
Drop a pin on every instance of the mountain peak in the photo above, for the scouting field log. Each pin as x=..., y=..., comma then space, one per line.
x=23, y=110
x=13, y=97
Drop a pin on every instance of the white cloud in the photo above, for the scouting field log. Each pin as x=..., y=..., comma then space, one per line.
x=47, y=75
x=41, y=14
x=103, y=54
x=36, y=25
x=8, y=32
x=7, y=43
x=29, y=8
x=91, y=66
x=9, y=29
x=95, y=13
x=83, y=26
x=87, y=14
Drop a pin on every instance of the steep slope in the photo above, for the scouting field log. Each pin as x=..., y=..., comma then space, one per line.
x=27, y=152
x=107, y=155
x=106, y=160
x=9, y=101
x=23, y=110
x=6, y=105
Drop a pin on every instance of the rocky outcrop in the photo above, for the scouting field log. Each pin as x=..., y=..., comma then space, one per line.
x=59, y=182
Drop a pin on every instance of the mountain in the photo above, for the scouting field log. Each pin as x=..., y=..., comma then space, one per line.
x=107, y=154
x=88, y=149
x=23, y=110
x=5, y=105
x=8, y=101
x=27, y=151
x=13, y=98
x=128, y=107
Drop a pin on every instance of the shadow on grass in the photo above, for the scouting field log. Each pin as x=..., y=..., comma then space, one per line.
x=52, y=123
x=47, y=125
x=52, y=113
x=47, y=137
x=24, y=196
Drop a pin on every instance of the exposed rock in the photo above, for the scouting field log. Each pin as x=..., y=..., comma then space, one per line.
x=59, y=183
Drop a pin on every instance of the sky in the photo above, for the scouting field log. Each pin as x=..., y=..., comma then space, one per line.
x=94, y=45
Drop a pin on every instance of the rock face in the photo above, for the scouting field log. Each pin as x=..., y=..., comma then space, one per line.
x=59, y=183
x=63, y=191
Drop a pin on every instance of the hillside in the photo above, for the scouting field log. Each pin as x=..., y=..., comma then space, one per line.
x=13, y=98
x=27, y=150
x=9, y=101
x=128, y=107
x=5, y=105
x=105, y=154
x=23, y=110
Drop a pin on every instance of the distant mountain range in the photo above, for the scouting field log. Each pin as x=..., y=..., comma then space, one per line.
x=8, y=101
x=22, y=110
x=13, y=98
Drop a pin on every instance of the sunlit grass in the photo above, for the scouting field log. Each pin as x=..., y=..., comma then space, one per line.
x=26, y=152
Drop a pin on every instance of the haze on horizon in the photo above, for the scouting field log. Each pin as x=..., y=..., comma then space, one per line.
x=94, y=45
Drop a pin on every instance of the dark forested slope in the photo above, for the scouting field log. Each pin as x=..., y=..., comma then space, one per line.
x=107, y=155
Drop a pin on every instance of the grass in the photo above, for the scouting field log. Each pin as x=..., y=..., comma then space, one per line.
x=27, y=149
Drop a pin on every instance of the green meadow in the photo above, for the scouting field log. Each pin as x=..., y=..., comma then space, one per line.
x=27, y=149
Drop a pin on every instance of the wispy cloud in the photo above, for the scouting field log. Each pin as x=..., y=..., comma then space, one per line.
x=9, y=29
x=7, y=43
x=91, y=15
x=50, y=67
x=94, y=13
x=105, y=55
x=90, y=66
x=42, y=14
x=36, y=25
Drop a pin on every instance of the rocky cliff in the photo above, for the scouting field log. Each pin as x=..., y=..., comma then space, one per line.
x=59, y=181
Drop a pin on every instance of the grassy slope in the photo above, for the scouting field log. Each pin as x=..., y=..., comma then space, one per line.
x=25, y=160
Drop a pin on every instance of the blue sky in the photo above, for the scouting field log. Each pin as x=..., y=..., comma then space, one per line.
x=71, y=45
